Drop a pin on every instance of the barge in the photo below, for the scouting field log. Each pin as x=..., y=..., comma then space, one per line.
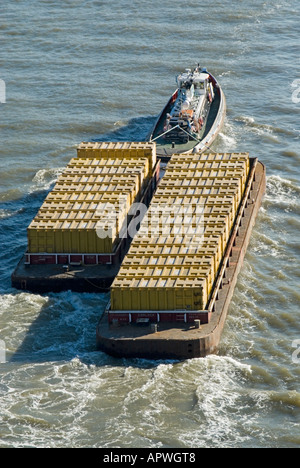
x=192, y=117
x=182, y=332
x=79, y=237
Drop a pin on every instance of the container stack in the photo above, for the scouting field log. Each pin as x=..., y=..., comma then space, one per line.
x=170, y=269
x=85, y=217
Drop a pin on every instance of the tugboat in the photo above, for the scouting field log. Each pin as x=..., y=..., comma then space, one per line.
x=193, y=116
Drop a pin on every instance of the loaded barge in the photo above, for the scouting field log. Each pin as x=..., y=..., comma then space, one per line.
x=173, y=301
x=79, y=237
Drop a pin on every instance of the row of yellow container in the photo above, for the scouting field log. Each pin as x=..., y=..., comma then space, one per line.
x=210, y=256
x=201, y=182
x=81, y=197
x=66, y=206
x=207, y=258
x=218, y=195
x=99, y=178
x=212, y=163
x=173, y=180
x=203, y=273
x=159, y=294
x=110, y=215
x=106, y=219
x=75, y=237
x=105, y=171
x=138, y=251
x=216, y=184
x=194, y=157
x=173, y=294
x=186, y=245
x=192, y=206
x=142, y=277
x=121, y=150
x=169, y=223
x=187, y=192
x=193, y=236
x=201, y=166
x=110, y=164
x=209, y=157
x=173, y=216
x=106, y=175
x=229, y=203
x=101, y=188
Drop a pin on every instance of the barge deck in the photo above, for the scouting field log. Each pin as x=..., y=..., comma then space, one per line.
x=58, y=278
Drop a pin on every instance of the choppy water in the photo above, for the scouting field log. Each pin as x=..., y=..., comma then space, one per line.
x=103, y=70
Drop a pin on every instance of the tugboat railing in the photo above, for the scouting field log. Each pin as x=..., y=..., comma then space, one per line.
x=163, y=134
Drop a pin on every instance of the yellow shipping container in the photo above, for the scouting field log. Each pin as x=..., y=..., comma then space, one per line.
x=102, y=150
x=193, y=158
x=219, y=220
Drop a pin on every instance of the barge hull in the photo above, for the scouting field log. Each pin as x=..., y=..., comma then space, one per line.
x=182, y=341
